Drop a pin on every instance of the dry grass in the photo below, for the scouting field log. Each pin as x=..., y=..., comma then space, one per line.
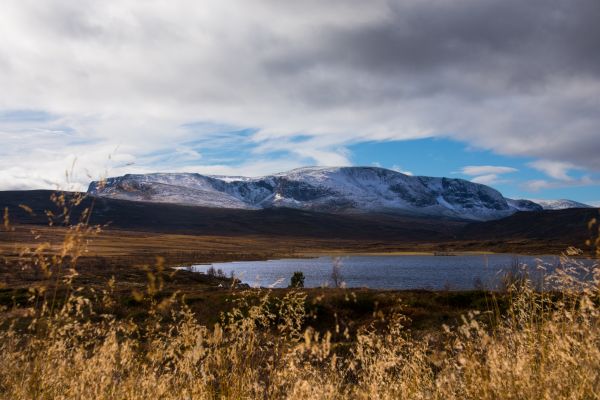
x=68, y=344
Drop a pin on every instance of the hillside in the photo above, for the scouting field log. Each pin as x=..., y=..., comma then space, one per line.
x=563, y=226
x=568, y=225
x=174, y=218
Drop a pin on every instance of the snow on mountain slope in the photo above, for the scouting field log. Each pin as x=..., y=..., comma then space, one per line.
x=560, y=204
x=193, y=189
x=338, y=190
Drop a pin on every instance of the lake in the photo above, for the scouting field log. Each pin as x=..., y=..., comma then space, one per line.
x=458, y=272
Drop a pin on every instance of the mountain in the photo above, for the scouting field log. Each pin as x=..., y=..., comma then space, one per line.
x=278, y=223
x=348, y=190
x=550, y=230
x=560, y=204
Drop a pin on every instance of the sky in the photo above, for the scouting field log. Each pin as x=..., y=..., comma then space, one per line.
x=500, y=92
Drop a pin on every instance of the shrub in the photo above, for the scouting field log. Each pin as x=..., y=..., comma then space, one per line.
x=297, y=280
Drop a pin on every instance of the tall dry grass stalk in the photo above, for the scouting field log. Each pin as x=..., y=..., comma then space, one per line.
x=546, y=346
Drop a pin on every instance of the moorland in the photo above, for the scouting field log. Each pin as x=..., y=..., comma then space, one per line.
x=88, y=290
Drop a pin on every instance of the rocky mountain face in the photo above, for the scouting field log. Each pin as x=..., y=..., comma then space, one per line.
x=333, y=190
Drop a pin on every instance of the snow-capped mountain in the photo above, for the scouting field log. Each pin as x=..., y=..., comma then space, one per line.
x=337, y=190
x=560, y=204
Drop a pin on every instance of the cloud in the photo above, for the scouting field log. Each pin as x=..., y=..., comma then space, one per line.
x=82, y=78
x=253, y=168
x=537, y=185
x=188, y=152
x=474, y=170
x=487, y=174
x=559, y=171
x=554, y=169
x=488, y=179
x=542, y=184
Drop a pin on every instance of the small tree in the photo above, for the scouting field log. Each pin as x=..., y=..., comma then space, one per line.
x=297, y=280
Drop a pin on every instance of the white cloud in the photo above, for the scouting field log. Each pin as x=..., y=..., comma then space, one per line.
x=488, y=179
x=188, y=152
x=542, y=184
x=554, y=169
x=130, y=75
x=537, y=185
x=559, y=171
x=487, y=174
x=253, y=168
x=475, y=170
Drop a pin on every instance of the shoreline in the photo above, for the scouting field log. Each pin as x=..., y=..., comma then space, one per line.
x=345, y=253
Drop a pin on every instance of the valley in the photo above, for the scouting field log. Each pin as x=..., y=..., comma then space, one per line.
x=135, y=233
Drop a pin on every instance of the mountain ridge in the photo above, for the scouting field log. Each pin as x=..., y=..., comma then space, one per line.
x=345, y=190
x=560, y=204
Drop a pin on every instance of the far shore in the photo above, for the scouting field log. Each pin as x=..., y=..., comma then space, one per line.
x=342, y=253
x=346, y=253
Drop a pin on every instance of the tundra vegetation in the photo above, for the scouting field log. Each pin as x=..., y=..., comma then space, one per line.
x=66, y=340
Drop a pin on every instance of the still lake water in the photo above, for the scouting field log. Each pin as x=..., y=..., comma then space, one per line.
x=459, y=272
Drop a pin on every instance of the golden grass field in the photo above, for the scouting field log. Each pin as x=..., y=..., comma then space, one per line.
x=133, y=247
x=93, y=315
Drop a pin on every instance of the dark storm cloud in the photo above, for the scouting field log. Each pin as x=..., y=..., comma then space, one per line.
x=516, y=44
